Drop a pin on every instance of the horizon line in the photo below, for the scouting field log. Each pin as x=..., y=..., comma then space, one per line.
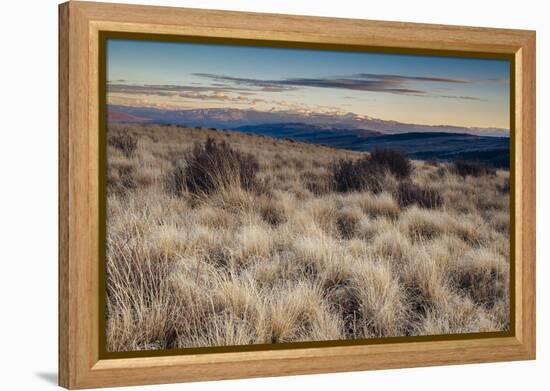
x=493, y=129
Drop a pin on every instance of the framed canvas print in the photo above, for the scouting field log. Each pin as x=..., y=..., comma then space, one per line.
x=249, y=195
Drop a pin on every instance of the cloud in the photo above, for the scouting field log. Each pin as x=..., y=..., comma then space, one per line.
x=263, y=85
x=154, y=89
x=463, y=97
x=388, y=83
x=405, y=79
x=356, y=85
x=394, y=84
x=202, y=93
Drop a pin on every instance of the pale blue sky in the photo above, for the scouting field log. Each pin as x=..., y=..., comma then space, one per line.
x=406, y=88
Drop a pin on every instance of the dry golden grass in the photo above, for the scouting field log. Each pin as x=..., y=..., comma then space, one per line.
x=293, y=260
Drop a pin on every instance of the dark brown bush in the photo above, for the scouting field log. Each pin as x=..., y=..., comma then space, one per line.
x=317, y=183
x=127, y=177
x=475, y=169
x=124, y=141
x=357, y=175
x=272, y=213
x=347, y=224
x=124, y=182
x=395, y=161
x=175, y=180
x=213, y=166
x=408, y=193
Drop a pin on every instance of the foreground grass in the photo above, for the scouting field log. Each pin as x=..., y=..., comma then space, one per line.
x=291, y=258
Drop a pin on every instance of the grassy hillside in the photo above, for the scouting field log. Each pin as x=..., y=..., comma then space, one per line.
x=285, y=242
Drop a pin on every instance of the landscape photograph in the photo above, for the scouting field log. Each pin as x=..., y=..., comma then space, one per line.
x=259, y=195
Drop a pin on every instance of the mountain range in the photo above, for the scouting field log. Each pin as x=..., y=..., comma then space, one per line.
x=338, y=131
x=232, y=118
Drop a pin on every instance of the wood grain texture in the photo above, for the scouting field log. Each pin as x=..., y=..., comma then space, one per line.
x=527, y=286
x=63, y=221
x=80, y=24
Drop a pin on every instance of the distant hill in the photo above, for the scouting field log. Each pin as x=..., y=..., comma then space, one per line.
x=425, y=146
x=122, y=117
x=325, y=135
x=445, y=146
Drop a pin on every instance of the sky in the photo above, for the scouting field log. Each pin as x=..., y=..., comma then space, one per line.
x=425, y=90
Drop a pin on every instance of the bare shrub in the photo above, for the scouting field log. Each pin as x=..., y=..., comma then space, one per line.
x=464, y=168
x=357, y=175
x=271, y=212
x=408, y=193
x=395, y=161
x=123, y=182
x=318, y=184
x=213, y=166
x=175, y=180
x=127, y=180
x=124, y=141
x=346, y=222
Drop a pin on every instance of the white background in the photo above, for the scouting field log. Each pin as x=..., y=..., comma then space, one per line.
x=28, y=194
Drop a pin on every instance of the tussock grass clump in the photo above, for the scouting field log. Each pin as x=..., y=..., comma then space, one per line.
x=357, y=175
x=391, y=244
x=464, y=168
x=124, y=141
x=382, y=204
x=139, y=304
x=482, y=275
x=369, y=302
x=408, y=194
x=394, y=160
x=255, y=243
x=422, y=224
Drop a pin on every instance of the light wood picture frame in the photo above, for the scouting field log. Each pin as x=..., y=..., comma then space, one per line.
x=83, y=28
